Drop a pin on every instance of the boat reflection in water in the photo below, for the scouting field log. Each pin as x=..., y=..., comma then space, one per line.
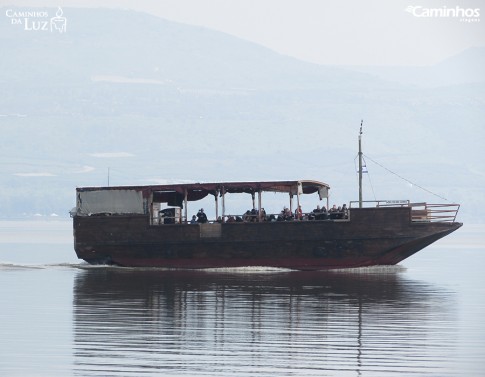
x=129, y=321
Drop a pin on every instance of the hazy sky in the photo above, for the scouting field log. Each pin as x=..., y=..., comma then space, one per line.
x=349, y=32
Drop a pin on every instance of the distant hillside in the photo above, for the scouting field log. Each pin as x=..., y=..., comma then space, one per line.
x=136, y=45
x=466, y=67
x=156, y=100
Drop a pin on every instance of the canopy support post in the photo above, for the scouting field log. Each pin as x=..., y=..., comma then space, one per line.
x=223, y=205
x=185, y=205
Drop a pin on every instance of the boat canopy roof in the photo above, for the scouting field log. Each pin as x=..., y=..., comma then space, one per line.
x=197, y=191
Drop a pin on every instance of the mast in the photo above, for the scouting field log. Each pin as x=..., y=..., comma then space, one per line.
x=360, y=164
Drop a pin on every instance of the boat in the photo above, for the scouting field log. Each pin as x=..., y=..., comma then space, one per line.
x=151, y=226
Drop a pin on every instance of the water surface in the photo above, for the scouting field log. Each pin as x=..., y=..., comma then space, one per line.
x=61, y=317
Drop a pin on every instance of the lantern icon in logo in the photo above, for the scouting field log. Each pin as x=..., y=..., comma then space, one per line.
x=58, y=23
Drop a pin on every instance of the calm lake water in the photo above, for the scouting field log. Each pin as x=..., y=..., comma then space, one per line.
x=61, y=317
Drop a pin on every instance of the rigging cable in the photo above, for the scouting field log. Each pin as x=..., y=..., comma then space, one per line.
x=370, y=182
x=407, y=180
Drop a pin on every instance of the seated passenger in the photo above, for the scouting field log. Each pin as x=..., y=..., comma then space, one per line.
x=288, y=216
x=340, y=214
x=333, y=212
x=281, y=216
x=345, y=211
x=254, y=215
x=194, y=220
x=315, y=214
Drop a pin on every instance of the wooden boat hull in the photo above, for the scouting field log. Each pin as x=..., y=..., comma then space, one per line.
x=371, y=236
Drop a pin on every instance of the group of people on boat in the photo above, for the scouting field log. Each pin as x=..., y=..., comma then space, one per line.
x=319, y=213
x=333, y=213
x=252, y=216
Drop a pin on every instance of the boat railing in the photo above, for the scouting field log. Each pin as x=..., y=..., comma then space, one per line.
x=380, y=203
x=428, y=212
x=434, y=212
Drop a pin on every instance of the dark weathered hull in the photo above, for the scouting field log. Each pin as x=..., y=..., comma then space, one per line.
x=371, y=236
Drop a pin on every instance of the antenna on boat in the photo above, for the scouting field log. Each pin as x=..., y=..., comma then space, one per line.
x=360, y=164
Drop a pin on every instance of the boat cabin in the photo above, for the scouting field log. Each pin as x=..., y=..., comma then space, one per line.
x=169, y=204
